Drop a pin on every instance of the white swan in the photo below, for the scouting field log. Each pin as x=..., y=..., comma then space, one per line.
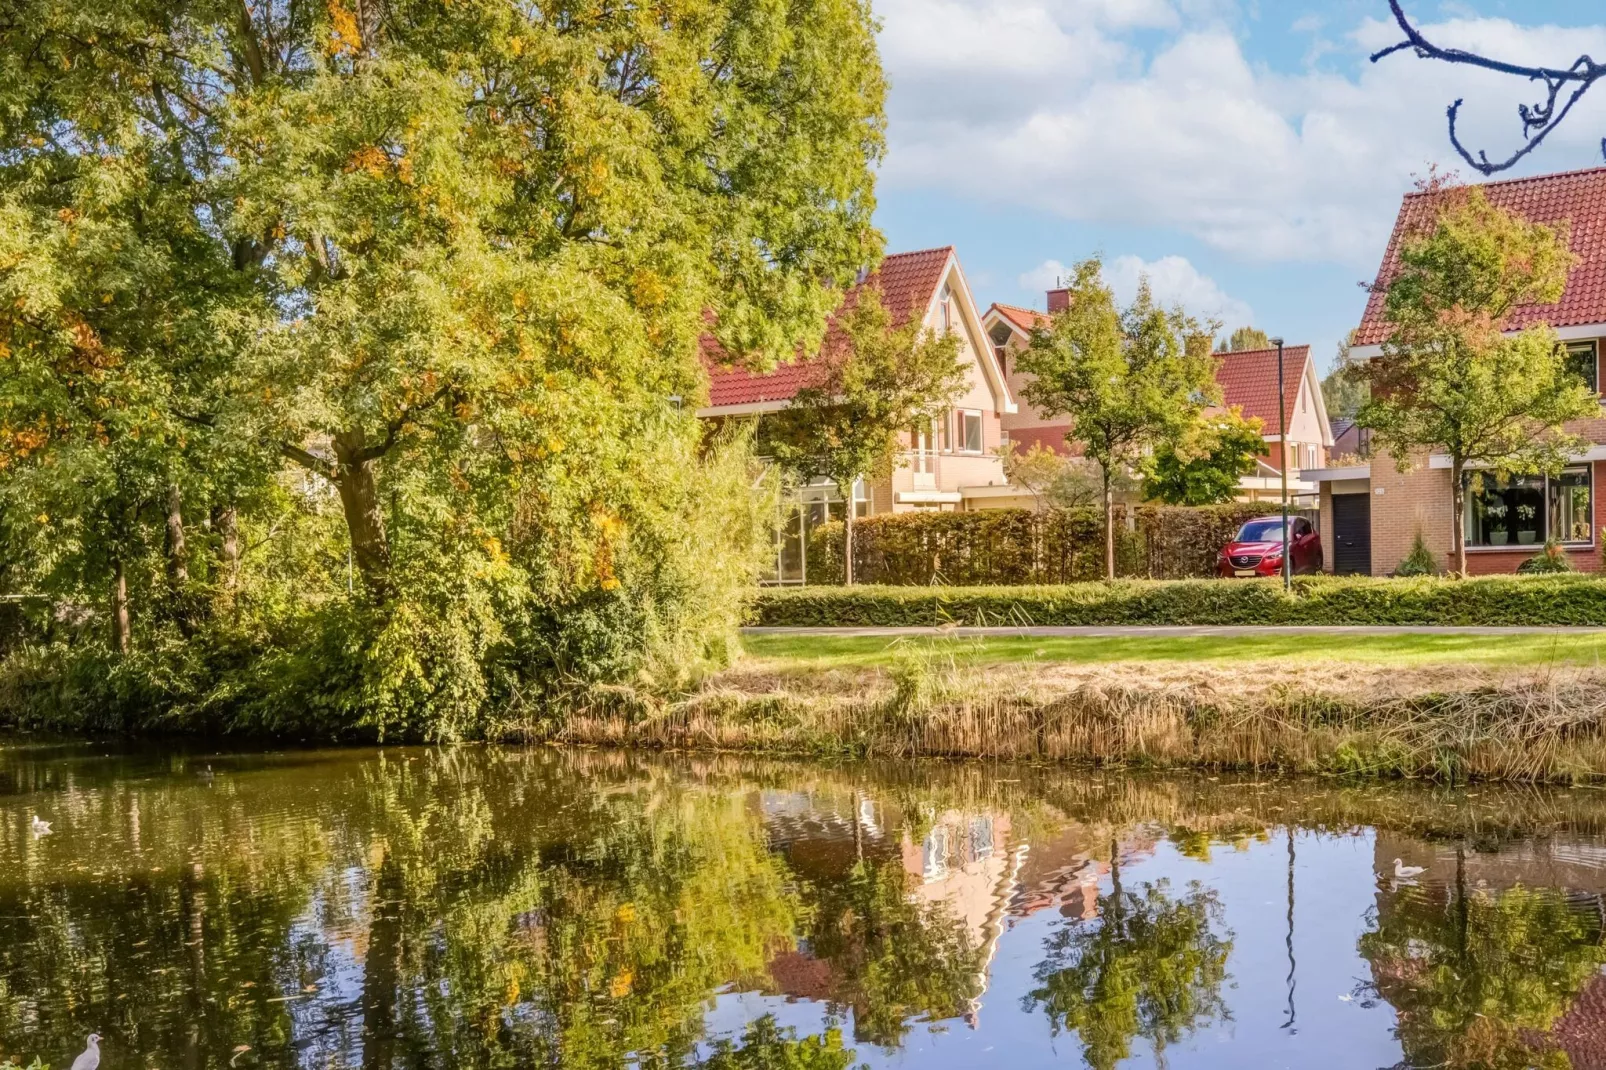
x=1402, y=872
x=40, y=828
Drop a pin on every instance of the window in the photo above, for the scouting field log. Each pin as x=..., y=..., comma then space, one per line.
x=1000, y=334
x=1581, y=358
x=1528, y=510
x=1310, y=456
x=947, y=309
x=967, y=422
x=945, y=441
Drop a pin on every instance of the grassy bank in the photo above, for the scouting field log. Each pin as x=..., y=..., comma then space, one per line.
x=1569, y=600
x=825, y=651
x=1466, y=717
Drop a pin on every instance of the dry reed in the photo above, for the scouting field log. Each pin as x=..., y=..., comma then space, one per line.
x=1455, y=723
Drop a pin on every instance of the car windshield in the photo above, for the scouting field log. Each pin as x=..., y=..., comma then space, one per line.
x=1261, y=531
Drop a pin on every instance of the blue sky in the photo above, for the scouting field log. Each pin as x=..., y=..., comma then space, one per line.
x=1242, y=153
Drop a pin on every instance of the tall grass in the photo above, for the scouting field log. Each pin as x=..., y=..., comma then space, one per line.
x=1446, y=723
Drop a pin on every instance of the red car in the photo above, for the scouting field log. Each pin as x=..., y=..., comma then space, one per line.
x=1258, y=548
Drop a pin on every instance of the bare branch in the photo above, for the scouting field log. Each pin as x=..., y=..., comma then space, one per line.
x=1564, y=88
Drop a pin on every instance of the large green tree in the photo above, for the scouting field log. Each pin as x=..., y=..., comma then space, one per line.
x=1204, y=465
x=1452, y=377
x=414, y=289
x=1129, y=378
x=873, y=382
x=1244, y=339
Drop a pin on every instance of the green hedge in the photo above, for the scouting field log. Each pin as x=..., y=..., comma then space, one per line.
x=1495, y=600
x=1018, y=546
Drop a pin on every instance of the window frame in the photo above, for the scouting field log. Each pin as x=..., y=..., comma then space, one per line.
x=1576, y=348
x=1549, y=484
x=962, y=438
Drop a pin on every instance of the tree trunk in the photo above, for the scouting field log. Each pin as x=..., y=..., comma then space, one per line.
x=226, y=521
x=119, y=608
x=358, y=483
x=1458, y=504
x=178, y=566
x=1109, y=526
x=847, y=539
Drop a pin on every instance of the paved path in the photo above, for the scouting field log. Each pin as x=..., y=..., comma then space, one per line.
x=1231, y=631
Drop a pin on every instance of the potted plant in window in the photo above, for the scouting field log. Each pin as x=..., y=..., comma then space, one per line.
x=1498, y=533
x=1527, y=530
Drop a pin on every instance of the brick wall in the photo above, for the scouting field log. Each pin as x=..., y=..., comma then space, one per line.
x=1420, y=499
x=1325, y=528
x=1417, y=499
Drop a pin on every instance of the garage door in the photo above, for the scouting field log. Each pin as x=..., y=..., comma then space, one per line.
x=1352, y=534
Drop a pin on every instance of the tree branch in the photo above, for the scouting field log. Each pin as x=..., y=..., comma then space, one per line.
x=1564, y=88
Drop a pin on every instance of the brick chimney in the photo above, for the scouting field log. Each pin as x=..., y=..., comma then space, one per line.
x=1058, y=301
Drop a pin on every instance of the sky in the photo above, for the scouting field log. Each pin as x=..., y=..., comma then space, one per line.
x=1243, y=154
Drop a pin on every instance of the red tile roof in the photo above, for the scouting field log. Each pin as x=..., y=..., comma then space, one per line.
x=1024, y=319
x=908, y=282
x=1249, y=380
x=1578, y=196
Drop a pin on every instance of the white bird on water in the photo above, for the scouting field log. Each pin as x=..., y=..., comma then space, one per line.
x=1403, y=872
x=40, y=828
x=90, y=1059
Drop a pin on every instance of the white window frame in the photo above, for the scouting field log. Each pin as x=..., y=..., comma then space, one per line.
x=962, y=439
x=1594, y=348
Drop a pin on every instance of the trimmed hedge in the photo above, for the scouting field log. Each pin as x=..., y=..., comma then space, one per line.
x=1018, y=546
x=1575, y=600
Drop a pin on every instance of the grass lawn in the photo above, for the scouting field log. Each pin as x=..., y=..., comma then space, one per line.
x=828, y=652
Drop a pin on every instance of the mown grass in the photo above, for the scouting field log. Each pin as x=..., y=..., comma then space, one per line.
x=825, y=652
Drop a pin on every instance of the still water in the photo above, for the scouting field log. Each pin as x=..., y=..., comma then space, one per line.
x=480, y=907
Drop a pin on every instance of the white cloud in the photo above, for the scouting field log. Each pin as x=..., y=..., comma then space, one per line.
x=1052, y=105
x=1172, y=279
x=1049, y=275
x=1175, y=281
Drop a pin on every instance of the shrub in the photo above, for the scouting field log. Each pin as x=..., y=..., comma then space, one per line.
x=1551, y=559
x=1018, y=546
x=1420, y=561
x=1572, y=600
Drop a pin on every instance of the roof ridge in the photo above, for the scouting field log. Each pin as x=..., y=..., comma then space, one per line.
x=918, y=252
x=1018, y=308
x=1516, y=181
x=1260, y=352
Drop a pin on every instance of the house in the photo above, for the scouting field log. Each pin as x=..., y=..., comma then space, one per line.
x=1248, y=381
x=1372, y=511
x=945, y=465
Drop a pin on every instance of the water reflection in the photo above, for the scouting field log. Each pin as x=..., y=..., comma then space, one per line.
x=483, y=907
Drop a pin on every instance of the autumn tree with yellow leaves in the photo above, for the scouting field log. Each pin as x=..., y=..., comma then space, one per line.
x=351, y=349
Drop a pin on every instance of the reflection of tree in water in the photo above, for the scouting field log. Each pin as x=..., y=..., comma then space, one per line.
x=490, y=913
x=765, y=1047
x=1480, y=978
x=891, y=957
x=1151, y=967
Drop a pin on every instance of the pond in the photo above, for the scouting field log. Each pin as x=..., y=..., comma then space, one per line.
x=483, y=907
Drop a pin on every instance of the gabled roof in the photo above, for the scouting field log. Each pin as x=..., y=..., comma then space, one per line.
x=1575, y=196
x=1249, y=381
x=1022, y=319
x=908, y=283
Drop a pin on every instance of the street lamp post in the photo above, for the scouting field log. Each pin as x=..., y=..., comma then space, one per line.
x=1282, y=432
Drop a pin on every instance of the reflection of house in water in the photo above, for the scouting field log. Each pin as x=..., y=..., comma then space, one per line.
x=1064, y=876
x=965, y=866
